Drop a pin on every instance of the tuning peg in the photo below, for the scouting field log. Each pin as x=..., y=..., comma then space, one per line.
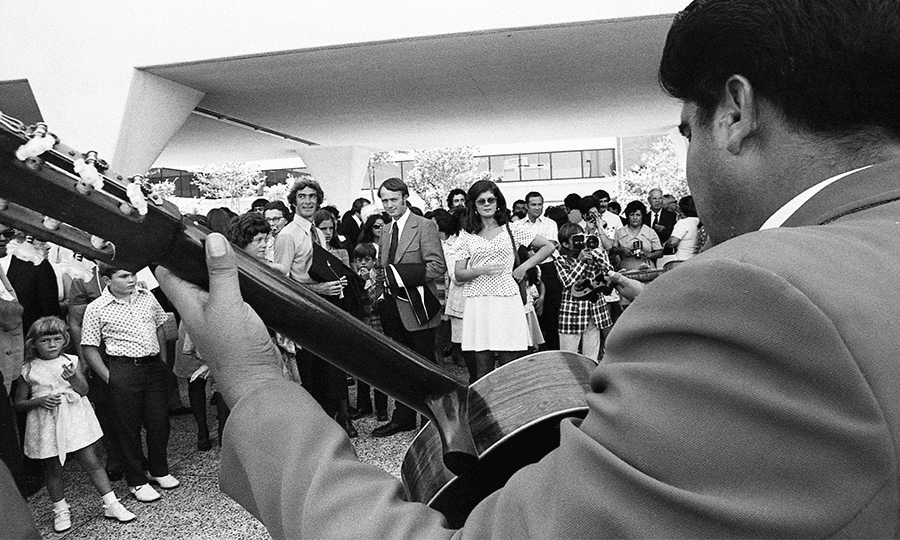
x=40, y=142
x=86, y=169
x=147, y=188
x=136, y=194
x=98, y=242
x=50, y=223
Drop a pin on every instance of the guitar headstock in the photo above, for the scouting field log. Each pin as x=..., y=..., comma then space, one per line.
x=56, y=193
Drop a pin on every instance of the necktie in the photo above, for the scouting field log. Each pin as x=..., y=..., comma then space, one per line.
x=655, y=219
x=395, y=233
x=314, y=232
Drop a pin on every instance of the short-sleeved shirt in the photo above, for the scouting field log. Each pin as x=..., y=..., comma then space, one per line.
x=545, y=227
x=613, y=223
x=82, y=293
x=128, y=328
x=498, y=250
x=686, y=230
x=649, y=242
x=293, y=248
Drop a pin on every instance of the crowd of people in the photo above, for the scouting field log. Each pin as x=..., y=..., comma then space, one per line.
x=496, y=282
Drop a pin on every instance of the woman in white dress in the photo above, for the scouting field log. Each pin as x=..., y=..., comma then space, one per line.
x=494, y=316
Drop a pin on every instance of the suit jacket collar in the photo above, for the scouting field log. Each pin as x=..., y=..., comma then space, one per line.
x=877, y=185
x=410, y=229
x=409, y=232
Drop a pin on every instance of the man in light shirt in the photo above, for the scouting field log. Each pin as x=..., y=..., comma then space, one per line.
x=548, y=308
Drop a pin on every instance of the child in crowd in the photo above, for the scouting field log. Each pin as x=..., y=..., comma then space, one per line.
x=60, y=419
x=127, y=321
x=364, y=258
x=535, y=292
x=583, y=315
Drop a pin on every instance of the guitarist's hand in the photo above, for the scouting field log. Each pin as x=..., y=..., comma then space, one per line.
x=627, y=287
x=230, y=336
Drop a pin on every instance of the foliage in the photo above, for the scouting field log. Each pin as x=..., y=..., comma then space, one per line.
x=659, y=169
x=279, y=192
x=163, y=188
x=229, y=181
x=439, y=170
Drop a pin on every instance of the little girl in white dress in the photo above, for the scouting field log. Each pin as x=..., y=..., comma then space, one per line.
x=60, y=419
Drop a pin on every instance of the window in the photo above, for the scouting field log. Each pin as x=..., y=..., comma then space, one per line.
x=505, y=168
x=566, y=165
x=383, y=171
x=599, y=163
x=535, y=166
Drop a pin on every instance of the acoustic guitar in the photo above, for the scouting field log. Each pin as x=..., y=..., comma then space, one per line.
x=59, y=194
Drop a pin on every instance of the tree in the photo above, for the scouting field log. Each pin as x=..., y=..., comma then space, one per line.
x=163, y=188
x=659, y=169
x=229, y=181
x=279, y=191
x=439, y=170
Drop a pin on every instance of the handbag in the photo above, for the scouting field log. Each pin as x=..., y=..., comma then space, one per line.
x=523, y=286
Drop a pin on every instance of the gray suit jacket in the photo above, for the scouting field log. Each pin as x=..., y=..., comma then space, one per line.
x=752, y=391
x=419, y=249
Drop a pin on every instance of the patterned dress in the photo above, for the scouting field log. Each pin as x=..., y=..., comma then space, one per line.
x=493, y=318
x=69, y=427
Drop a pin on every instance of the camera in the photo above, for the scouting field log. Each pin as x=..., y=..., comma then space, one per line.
x=637, y=248
x=585, y=241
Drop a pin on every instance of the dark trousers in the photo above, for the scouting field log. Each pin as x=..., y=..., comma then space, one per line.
x=138, y=398
x=325, y=382
x=10, y=449
x=549, y=317
x=420, y=341
x=364, y=398
x=31, y=475
x=98, y=392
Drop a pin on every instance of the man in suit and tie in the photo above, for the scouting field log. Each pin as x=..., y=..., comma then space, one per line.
x=412, y=260
x=351, y=222
x=658, y=218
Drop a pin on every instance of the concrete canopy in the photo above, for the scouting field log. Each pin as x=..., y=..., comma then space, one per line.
x=566, y=81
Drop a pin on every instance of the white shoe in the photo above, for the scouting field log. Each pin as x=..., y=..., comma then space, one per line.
x=62, y=519
x=145, y=493
x=166, y=482
x=118, y=511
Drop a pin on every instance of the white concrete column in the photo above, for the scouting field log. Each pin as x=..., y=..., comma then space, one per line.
x=155, y=110
x=126, y=115
x=342, y=171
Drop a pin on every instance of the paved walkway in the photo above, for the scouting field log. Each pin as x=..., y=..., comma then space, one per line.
x=195, y=509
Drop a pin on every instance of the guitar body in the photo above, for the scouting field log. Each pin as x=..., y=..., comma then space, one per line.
x=514, y=416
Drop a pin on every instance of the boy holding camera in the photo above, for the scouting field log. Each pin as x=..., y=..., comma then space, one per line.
x=583, y=315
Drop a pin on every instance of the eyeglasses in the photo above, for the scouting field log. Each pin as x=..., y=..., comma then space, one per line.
x=376, y=226
x=486, y=202
x=8, y=233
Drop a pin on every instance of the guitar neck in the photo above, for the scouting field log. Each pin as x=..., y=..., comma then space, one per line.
x=48, y=186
